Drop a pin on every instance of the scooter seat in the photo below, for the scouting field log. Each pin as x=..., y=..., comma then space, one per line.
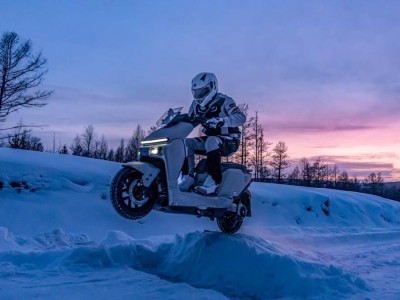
x=202, y=166
x=232, y=165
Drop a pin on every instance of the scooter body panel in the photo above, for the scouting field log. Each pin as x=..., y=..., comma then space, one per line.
x=149, y=171
x=174, y=155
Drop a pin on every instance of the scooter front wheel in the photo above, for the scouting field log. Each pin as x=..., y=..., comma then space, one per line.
x=129, y=197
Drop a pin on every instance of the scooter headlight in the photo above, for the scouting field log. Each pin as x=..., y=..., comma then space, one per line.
x=155, y=150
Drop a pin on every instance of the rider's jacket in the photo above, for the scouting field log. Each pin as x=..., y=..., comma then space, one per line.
x=223, y=107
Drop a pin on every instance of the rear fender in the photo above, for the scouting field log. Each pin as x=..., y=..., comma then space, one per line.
x=245, y=199
x=149, y=171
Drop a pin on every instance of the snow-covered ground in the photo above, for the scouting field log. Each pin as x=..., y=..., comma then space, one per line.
x=61, y=239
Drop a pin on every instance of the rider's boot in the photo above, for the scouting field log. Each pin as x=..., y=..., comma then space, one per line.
x=212, y=182
x=185, y=183
x=209, y=186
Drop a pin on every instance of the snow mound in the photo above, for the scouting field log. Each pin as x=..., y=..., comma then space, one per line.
x=116, y=237
x=7, y=241
x=56, y=239
x=237, y=266
x=242, y=266
x=299, y=206
x=234, y=265
x=31, y=171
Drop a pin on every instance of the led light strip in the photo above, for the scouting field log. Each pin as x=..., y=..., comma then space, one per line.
x=154, y=141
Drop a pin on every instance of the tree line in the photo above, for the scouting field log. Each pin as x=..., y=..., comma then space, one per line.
x=268, y=164
x=323, y=175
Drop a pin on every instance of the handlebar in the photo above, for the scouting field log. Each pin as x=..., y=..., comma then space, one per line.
x=185, y=118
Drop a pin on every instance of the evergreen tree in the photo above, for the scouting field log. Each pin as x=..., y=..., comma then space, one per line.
x=132, y=149
x=63, y=150
x=111, y=155
x=21, y=139
x=120, y=152
x=76, y=147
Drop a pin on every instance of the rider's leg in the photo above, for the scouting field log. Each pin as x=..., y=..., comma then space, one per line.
x=212, y=145
x=212, y=182
x=216, y=147
x=192, y=145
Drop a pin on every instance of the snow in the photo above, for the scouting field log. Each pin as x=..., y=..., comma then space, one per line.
x=60, y=238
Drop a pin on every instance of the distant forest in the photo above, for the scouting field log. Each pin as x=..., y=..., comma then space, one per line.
x=268, y=162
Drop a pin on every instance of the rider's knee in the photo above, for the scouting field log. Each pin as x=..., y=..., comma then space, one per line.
x=189, y=143
x=212, y=143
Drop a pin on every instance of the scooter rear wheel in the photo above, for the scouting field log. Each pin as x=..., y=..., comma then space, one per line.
x=129, y=197
x=229, y=222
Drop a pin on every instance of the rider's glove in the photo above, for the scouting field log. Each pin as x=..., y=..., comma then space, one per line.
x=215, y=122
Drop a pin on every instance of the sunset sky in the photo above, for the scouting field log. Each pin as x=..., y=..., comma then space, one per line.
x=323, y=75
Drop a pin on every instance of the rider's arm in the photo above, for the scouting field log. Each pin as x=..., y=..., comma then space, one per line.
x=191, y=110
x=235, y=117
x=191, y=114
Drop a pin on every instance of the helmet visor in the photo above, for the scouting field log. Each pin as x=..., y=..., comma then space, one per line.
x=201, y=92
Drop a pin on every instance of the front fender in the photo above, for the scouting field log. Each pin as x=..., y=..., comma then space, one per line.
x=149, y=171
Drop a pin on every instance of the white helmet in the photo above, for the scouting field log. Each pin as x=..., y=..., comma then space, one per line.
x=204, y=88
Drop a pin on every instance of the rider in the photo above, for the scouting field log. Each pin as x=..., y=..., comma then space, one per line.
x=220, y=117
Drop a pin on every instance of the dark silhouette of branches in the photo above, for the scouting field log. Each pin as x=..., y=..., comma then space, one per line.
x=22, y=139
x=21, y=73
x=246, y=139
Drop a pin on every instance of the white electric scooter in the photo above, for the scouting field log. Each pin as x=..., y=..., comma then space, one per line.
x=152, y=182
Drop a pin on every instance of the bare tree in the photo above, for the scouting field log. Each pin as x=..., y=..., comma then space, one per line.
x=246, y=139
x=88, y=141
x=355, y=184
x=101, y=148
x=343, y=181
x=294, y=177
x=306, y=171
x=263, y=153
x=256, y=134
x=260, y=153
x=374, y=183
x=320, y=172
x=334, y=174
x=21, y=73
x=280, y=160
